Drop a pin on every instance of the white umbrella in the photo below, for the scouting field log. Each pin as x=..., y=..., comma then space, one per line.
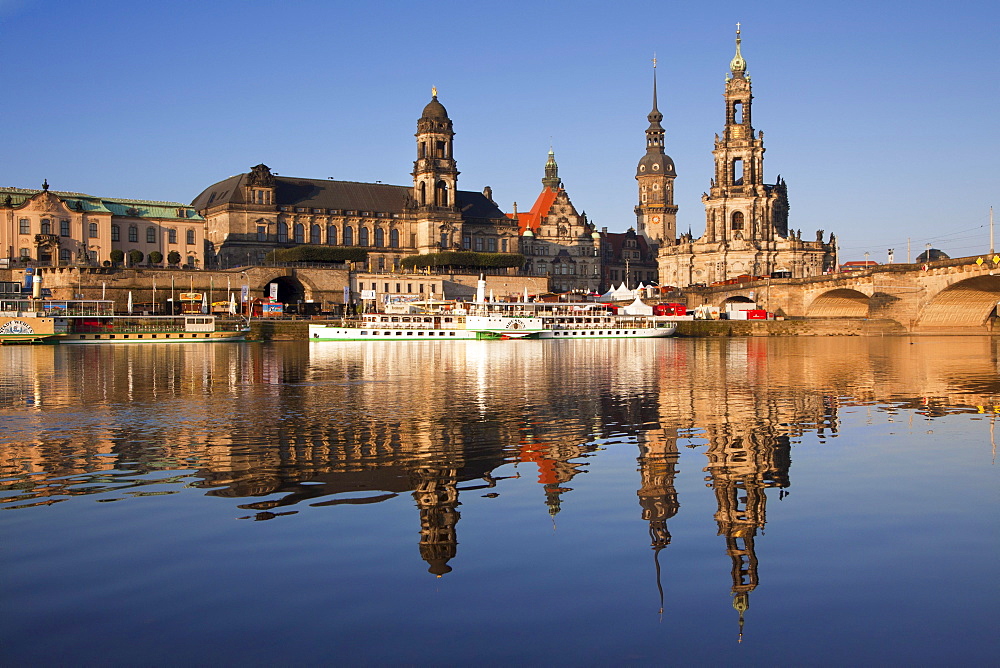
x=204, y=303
x=130, y=302
x=232, y=304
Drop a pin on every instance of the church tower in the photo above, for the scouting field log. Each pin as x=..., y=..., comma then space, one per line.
x=739, y=206
x=435, y=181
x=656, y=214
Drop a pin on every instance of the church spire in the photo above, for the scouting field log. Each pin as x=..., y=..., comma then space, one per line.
x=737, y=65
x=551, y=180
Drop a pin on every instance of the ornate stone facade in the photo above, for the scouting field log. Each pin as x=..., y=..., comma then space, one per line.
x=656, y=213
x=556, y=240
x=58, y=229
x=250, y=214
x=746, y=220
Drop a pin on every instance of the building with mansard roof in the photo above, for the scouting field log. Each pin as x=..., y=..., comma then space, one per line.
x=52, y=228
x=556, y=240
x=746, y=220
x=251, y=214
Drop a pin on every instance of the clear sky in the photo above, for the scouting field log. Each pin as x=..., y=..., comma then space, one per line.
x=881, y=116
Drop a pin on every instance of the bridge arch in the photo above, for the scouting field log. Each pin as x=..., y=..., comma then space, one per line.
x=839, y=303
x=736, y=299
x=967, y=303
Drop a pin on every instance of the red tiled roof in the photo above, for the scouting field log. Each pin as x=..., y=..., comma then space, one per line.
x=539, y=210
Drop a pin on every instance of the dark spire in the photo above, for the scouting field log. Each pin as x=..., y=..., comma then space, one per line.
x=551, y=180
x=654, y=116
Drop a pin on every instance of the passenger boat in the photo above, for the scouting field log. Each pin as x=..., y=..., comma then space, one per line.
x=533, y=320
x=25, y=320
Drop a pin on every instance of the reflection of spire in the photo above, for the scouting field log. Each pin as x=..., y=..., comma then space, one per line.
x=436, y=495
x=741, y=468
x=657, y=496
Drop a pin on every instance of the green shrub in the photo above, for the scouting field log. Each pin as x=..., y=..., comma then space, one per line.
x=155, y=257
x=135, y=257
x=317, y=254
x=116, y=256
x=174, y=258
x=465, y=260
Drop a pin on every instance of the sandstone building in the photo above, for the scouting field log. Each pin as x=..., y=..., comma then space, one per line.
x=250, y=214
x=556, y=240
x=746, y=220
x=49, y=228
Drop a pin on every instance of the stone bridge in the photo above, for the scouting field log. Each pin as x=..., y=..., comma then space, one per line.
x=948, y=294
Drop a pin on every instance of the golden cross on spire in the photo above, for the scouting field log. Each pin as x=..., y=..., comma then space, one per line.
x=737, y=27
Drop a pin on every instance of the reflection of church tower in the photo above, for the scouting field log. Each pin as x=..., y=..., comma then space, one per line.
x=436, y=494
x=657, y=496
x=656, y=213
x=741, y=469
x=435, y=180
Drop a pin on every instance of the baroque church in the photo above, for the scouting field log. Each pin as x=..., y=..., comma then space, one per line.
x=250, y=214
x=746, y=220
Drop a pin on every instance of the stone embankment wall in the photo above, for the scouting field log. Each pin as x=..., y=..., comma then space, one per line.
x=298, y=330
x=805, y=327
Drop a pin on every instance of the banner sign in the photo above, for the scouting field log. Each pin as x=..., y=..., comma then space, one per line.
x=245, y=293
x=368, y=294
x=274, y=292
x=191, y=296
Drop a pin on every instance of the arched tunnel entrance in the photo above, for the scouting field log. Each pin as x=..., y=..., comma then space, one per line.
x=968, y=303
x=839, y=303
x=735, y=299
x=291, y=292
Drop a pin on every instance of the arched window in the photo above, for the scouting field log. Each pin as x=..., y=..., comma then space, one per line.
x=150, y=235
x=172, y=235
x=300, y=233
x=133, y=233
x=331, y=235
x=116, y=233
x=423, y=193
x=190, y=238
x=737, y=221
x=93, y=230
x=379, y=237
x=393, y=238
x=46, y=226
x=363, y=236
x=282, y=232
x=348, y=235
x=441, y=194
x=314, y=236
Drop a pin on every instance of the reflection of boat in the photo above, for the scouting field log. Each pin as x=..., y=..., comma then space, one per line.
x=499, y=321
x=94, y=321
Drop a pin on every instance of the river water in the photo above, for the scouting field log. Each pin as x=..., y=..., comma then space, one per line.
x=764, y=501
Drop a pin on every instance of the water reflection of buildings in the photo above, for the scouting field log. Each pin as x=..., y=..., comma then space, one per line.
x=288, y=426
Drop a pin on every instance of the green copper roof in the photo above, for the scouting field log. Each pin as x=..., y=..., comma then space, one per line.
x=116, y=206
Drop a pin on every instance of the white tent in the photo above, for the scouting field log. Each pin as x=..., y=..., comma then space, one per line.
x=638, y=307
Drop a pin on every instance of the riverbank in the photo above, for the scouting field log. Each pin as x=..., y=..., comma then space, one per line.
x=298, y=330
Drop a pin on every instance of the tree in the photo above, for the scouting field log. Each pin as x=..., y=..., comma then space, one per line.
x=156, y=257
x=117, y=256
x=174, y=258
x=135, y=257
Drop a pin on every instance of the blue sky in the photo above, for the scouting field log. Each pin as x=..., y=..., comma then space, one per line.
x=881, y=116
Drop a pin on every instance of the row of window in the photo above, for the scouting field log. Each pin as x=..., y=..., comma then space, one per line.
x=409, y=287
x=366, y=237
x=133, y=235
x=24, y=227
